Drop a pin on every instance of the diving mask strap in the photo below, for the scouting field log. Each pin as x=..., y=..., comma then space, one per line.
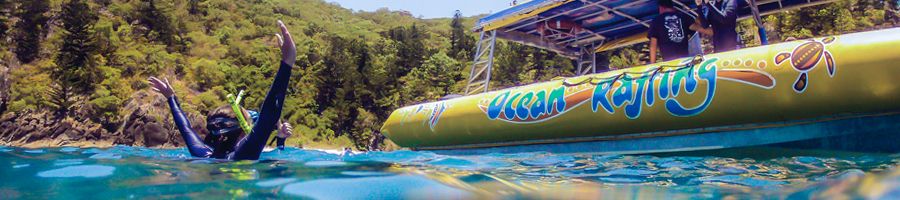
x=235, y=102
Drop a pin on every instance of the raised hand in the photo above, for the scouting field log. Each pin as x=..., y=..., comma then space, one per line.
x=286, y=41
x=285, y=130
x=163, y=87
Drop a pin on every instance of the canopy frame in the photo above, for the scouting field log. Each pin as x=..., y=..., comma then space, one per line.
x=582, y=46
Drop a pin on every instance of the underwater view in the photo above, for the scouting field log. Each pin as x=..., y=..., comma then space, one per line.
x=759, y=173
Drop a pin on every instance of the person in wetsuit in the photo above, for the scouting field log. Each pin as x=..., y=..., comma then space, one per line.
x=721, y=16
x=227, y=139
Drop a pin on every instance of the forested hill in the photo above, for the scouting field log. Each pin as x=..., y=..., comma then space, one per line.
x=89, y=60
x=77, y=69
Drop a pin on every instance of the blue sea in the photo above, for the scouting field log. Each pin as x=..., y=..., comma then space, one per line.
x=144, y=173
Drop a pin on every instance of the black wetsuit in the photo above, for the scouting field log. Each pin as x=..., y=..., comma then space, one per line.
x=279, y=142
x=249, y=147
x=722, y=17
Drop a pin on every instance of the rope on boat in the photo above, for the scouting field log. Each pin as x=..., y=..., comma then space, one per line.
x=593, y=80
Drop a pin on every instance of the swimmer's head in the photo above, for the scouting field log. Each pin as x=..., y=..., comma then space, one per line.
x=223, y=122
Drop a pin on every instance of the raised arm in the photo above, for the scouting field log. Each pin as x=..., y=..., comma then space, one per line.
x=653, y=46
x=194, y=144
x=726, y=14
x=252, y=145
x=698, y=26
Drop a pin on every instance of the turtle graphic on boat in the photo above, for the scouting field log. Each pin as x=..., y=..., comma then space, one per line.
x=806, y=57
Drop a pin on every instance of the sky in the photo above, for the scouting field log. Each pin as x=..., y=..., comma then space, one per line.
x=429, y=8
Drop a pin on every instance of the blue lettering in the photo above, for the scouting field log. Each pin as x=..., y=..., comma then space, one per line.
x=524, y=102
x=650, y=95
x=540, y=105
x=664, y=86
x=599, y=98
x=707, y=72
x=496, y=106
x=510, y=111
x=633, y=109
x=557, y=99
x=681, y=74
x=624, y=93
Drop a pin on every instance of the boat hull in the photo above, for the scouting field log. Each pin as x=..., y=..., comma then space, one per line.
x=822, y=80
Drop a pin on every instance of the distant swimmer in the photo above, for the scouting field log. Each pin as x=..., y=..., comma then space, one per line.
x=375, y=142
x=284, y=131
x=229, y=125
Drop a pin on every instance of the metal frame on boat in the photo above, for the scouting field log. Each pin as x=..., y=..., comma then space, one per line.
x=615, y=24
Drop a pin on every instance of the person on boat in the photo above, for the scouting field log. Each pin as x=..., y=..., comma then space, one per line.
x=230, y=135
x=670, y=31
x=721, y=16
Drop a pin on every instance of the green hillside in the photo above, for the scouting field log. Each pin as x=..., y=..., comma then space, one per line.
x=85, y=59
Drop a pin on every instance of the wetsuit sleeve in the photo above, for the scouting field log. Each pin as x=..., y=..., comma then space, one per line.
x=252, y=145
x=279, y=142
x=726, y=14
x=193, y=142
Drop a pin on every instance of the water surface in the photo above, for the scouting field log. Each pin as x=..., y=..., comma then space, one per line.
x=132, y=172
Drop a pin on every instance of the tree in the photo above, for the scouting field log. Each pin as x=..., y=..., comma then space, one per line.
x=4, y=18
x=161, y=28
x=76, y=71
x=30, y=29
x=461, y=45
x=196, y=7
x=411, y=49
x=433, y=79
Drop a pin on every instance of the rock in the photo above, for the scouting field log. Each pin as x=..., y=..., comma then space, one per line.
x=154, y=135
x=147, y=122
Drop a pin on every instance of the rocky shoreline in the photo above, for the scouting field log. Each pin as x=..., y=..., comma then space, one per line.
x=148, y=124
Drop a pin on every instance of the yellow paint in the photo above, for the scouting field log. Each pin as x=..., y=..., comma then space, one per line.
x=865, y=82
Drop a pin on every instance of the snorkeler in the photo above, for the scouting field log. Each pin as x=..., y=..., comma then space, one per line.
x=227, y=125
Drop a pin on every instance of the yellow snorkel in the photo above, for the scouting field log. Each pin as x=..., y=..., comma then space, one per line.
x=235, y=102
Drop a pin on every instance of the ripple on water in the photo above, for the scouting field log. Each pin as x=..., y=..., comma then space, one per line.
x=21, y=166
x=548, y=160
x=453, y=162
x=275, y=182
x=631, y=172
x=69, y=149
x=365, y=173
x=86, y=171
x=741, y=180
x=402, y=156
x=35, y=151
x=391, y=187
x=109, y=156
x=67, y=162
x=325, y=163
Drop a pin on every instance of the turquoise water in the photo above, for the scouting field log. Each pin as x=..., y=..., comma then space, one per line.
x=131, y=172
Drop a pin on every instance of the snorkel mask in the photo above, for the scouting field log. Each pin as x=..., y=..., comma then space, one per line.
x=224, y=125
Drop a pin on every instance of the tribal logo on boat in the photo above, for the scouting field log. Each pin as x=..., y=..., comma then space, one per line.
x=628, y=91
x=806, y=57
